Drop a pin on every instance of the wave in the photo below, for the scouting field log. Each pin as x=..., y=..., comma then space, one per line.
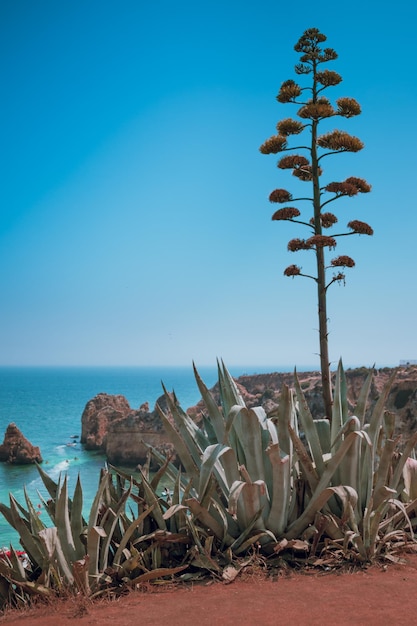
x=58, y=469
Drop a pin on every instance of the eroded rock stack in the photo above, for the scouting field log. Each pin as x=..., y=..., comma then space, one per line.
x=109, y=424
x=17, y=449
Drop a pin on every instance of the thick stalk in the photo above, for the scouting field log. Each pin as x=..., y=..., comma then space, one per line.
x=323, y=334
x=321, y=269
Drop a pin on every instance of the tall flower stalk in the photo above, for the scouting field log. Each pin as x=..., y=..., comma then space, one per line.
x=314, y=108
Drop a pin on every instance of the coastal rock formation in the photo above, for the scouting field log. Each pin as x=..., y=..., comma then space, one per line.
x=128, y=438
x=17, y=449
x=97, y=416
x=109, y=424
x=265, y=390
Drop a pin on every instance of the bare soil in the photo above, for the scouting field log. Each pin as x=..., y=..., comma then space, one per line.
x=379, y=595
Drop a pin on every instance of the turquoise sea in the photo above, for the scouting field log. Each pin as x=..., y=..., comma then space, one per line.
x=46, y=403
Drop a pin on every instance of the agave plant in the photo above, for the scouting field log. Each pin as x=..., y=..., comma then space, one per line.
x=237, y=476
x=112, y=549
x=252, y=480
x=356, y=483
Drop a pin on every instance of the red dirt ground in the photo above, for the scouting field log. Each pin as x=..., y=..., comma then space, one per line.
x=379, y=595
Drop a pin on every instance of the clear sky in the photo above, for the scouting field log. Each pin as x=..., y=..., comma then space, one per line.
x=135, y=223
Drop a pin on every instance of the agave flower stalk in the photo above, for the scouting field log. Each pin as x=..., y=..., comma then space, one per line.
x=314, y=110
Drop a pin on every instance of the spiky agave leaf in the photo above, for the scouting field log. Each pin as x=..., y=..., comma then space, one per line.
x=152, y=500
x=406, y=453
x=285, y=415
x=410, y=478
x=249, y=432
x=360, y=408
x=382, y=474
x=247, y=501
x=77, y=520
x=56, y=558
x=209, y=464
x=171, y=471
x=128, y=535
x=229, y=393
x=309, y=427
x=155, y=574
x=378, y=412
x=340, y=405
x=348, y=472
x=250, y=536
x=317, y=500
x=11, y=566
x=110, y=527
x=36, y=524
x=30, y=542
x=209, y=521
x=50, y=485
x=63, y=524
x=215, y=415
x=281, y=488
x=309, y=470
x=181, y=447
x=95, y=534
x=193, y=436
x=99, y=499
x=230, y=466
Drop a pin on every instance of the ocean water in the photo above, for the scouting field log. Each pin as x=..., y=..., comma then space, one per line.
x=46, y=404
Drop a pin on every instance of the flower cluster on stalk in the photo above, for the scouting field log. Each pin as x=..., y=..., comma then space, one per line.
x=349, y=187
x=343, y=261
x=292, y=161
x=339, y=278
x=280, y=196
x=292, y=270
x=322, y=241
x=339, y=141
x=290, y=127
x=298, y=244
x=360, y=228
x=327, y=220
x=287, y=213
x=316, y=110
x=311, y=111
x=273, y=145
x=289, y=91
x=328, y=78
x=348, y=107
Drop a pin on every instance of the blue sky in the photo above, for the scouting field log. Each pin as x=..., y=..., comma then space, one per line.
x=135, y=224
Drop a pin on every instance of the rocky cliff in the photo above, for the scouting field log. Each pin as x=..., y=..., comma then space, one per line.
x=98, y=415
x=17, y=449
x=265, y=389
x=111, y=425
